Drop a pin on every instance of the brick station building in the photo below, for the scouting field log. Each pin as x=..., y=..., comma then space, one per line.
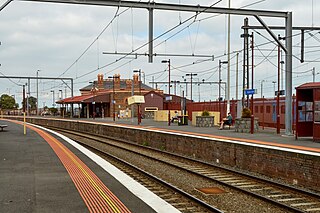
x=99, y=95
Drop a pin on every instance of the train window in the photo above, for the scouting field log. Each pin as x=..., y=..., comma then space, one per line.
x=268, y=109
x=283, y=109
x=256, y=109
x=261, y=109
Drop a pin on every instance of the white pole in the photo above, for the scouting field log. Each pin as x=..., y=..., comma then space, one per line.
x=228, y=74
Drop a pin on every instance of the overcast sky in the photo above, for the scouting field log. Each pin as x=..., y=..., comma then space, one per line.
x=51, y=37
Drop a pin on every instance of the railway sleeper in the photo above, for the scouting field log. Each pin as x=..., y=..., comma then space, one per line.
x=278, y=195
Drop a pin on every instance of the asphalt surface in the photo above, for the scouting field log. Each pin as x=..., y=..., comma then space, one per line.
x=32, y=178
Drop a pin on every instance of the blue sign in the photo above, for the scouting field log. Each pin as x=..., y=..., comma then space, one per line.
x=249, y=91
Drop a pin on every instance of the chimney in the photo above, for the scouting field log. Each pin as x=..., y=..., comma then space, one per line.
x=117, y=80
x=136, y=82
x=100, y=81
x=129, y=84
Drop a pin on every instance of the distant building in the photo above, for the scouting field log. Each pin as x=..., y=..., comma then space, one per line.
x=97, y=98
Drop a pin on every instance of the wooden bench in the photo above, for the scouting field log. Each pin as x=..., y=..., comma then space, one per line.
x=2, y=127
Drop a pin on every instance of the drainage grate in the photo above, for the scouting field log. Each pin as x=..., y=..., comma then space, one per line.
x=211, y=190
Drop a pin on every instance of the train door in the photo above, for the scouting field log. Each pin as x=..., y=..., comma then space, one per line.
x=274, y=112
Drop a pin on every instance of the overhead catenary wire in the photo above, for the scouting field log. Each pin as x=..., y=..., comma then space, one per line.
x=90, y=45
x=190, y=65
x=160, y=35
x=154, y=39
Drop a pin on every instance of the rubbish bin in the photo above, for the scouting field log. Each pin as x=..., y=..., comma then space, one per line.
x=182, y=120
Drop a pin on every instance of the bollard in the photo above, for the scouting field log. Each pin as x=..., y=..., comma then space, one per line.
x=24, y=124
x=252, y=124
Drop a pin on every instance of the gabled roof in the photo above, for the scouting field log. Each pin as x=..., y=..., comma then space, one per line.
x=108, y=85
x=311, y=85
x=103, y=97
x=154, y=92
x=75, y=99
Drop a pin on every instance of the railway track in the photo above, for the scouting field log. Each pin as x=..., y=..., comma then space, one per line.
x=284, y=196
x=181, y=200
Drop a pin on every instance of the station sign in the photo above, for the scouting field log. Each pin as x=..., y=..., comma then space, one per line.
x=250, y=91
x=282, y=92
x=136, y=99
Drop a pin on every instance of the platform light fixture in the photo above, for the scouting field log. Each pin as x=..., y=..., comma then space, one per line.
x=113, y=98
x=139, y=106
x=169, y=64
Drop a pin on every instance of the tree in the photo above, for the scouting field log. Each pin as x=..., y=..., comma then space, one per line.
x=32, y=102
x=7, y=102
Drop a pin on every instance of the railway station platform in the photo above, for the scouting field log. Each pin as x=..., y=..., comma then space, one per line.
x=42, y=172
x=266, y=136
x=296, y=162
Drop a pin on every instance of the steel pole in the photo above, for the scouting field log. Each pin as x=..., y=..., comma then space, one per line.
x=28, y=96
x=150, y=35
x=237, y=76
x=132, y=107
x=263, y=112
x=228, y=73
x=278, y=93
x=313, y=74
x=252, y=73
x=191, y=89
x=139, y=107
x=169, y=120
x=71, y=112
x=37, y=107
x=113, y=100
x=288, y=114
x=219, y=106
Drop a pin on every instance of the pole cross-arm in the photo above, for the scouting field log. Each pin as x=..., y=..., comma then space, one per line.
x=271, y=33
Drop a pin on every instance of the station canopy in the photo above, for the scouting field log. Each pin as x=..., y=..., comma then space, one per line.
x=101, y=98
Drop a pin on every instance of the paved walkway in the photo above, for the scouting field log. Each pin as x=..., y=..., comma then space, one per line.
x=44, y=172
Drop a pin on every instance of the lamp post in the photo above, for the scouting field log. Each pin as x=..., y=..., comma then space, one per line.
x=53, y=101
x=274, y=87
x=282, y=78
x=191, y=76
x=61, y=97
x=113, y=99
x=139, y=107
x=168, y=61
x=220, y=63
x=93, y=91
x=186, y=85
x=175, y=86
x=262, y=87
x=37, y=102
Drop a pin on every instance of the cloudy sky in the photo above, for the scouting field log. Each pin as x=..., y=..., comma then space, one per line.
x=64, y=40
